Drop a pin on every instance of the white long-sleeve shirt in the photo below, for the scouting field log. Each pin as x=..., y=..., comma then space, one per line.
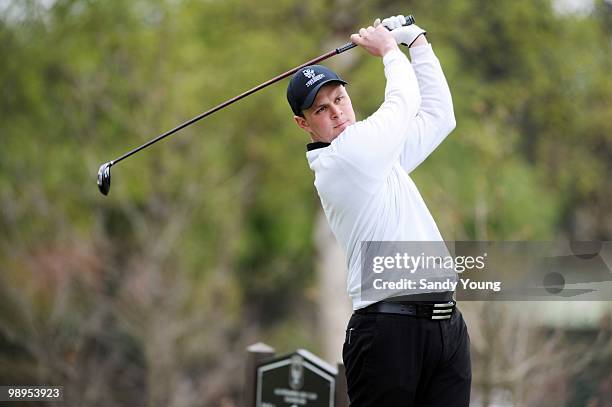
x=362, y=176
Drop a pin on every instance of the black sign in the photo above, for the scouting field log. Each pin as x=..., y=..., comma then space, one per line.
x=295, y=380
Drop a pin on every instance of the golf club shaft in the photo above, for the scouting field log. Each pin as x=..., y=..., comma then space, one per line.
x=339, y=50
x=336, y=51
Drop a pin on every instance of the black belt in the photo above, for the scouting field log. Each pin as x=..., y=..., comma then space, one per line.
x=433, y=311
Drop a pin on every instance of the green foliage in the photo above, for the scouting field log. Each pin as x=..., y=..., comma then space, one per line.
x=205, y=242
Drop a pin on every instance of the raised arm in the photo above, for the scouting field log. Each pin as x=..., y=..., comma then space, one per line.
x=435, y=119
x=374, y=144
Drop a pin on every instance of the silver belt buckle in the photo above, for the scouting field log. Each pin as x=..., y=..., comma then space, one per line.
x=443, y=311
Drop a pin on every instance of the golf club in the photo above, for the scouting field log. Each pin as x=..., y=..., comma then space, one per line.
x=104, y=173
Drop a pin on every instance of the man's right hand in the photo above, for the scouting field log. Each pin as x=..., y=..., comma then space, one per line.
x=377, y=41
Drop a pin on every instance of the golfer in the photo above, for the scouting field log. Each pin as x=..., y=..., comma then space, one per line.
x=409, y=350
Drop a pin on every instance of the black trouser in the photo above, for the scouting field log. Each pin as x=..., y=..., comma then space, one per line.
x=401, y=360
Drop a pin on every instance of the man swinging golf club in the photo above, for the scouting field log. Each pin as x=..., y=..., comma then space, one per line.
x=397, y=351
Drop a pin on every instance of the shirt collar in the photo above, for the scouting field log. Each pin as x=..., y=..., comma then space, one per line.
x=316, y=144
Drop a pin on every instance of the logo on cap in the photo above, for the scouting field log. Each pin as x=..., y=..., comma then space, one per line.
x=310, y=73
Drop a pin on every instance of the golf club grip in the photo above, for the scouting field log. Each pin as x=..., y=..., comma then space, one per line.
x=351, y=45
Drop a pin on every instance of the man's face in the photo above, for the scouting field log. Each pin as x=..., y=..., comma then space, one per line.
x=329, y=115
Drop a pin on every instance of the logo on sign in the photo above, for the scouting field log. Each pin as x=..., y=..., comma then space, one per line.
x=296, y=373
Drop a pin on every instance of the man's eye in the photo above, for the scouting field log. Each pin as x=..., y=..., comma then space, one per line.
x=319, y=110
x=339, y=98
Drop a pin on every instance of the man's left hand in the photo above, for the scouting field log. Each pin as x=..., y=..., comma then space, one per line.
x=406, y=35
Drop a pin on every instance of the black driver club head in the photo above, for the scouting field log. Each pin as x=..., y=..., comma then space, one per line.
x=104, y=178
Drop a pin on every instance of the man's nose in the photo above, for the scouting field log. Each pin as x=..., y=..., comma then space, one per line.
x=336, y=111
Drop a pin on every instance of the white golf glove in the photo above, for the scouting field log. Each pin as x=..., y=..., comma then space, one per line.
x=403, y=35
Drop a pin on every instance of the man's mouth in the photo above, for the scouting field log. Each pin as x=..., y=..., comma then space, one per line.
x=341, y=124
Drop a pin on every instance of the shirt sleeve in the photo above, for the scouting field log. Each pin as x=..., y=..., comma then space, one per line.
x=373, y=145
x=435, y=119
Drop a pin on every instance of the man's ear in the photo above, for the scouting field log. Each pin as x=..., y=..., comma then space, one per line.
x=302, y=123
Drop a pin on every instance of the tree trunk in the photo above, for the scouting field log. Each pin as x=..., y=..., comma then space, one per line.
x=333, y=302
